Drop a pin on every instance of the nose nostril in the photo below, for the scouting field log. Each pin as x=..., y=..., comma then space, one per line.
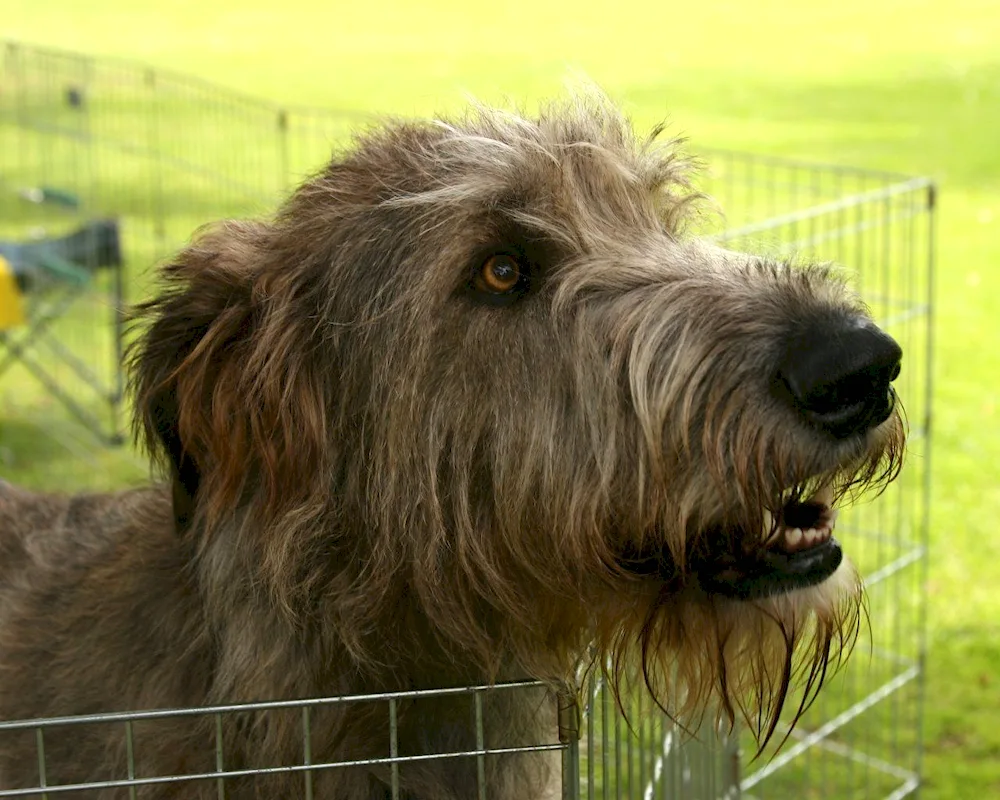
x=838, y=375
x=839, y=395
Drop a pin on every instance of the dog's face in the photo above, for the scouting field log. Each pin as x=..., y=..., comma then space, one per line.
x=484, y=362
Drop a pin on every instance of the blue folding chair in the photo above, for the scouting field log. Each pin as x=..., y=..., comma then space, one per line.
x=60, y=269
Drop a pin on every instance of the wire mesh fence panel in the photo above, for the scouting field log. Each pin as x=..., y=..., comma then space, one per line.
x=641, y=753
x=158, y=155
x=88, y=145
x=298, y=771
x=861, y=738
x=63, y=282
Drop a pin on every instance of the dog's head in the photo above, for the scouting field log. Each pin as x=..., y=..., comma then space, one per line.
x=482, y=366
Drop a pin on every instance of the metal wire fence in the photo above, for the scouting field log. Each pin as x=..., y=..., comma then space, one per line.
x=222, y=774
x=601, y=755
x=83, y=139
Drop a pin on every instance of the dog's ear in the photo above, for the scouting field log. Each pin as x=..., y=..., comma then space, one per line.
x=224, y=388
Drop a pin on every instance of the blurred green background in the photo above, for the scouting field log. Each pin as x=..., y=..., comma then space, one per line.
x=906, y=86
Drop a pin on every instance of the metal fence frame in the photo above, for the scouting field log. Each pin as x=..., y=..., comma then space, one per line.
x=878, y=224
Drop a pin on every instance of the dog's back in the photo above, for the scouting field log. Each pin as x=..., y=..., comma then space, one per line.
x=96, y=614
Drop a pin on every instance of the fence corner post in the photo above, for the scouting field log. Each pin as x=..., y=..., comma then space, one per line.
x=569, y=717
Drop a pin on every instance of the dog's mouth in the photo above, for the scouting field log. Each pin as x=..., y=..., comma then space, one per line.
x=796, y=550
x=799, y=552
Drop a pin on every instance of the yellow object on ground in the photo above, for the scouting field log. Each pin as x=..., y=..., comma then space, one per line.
x=11, y=307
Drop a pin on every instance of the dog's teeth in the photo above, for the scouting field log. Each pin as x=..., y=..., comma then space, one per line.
x=809, y=536
x=768, y=525
x=793, y=537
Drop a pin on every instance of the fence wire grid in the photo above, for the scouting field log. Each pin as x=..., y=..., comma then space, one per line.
x=85, y=139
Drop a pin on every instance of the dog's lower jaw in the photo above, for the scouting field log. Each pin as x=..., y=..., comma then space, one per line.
x=825, y=599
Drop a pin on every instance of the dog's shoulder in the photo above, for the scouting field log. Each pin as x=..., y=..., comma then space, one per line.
x=22, y=508
x=80, y=525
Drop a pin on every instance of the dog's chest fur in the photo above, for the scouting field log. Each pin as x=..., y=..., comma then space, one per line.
x=101, y=611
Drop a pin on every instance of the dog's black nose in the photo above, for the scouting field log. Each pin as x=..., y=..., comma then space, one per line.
x=838, y=374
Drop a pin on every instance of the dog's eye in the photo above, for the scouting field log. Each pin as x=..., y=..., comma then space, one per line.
x=500, y=274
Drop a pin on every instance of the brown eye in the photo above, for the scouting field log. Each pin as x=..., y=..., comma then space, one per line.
x=500, y=273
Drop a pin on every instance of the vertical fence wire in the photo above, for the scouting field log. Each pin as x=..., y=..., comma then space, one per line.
x=924, y=518
x=220, y=766
x=130, y=758
x=568, y=719
x=307, y=757
x=42, y=771
x=393, y=749
x=480, y=746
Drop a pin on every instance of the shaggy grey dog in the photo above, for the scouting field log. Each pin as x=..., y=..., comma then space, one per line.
x=473, y=406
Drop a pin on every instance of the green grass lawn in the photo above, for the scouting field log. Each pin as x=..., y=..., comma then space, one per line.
x=913, y=87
